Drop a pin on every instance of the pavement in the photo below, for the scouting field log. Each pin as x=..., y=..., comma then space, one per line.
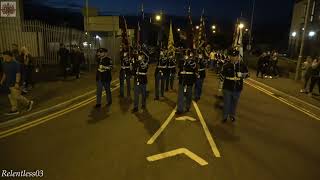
x=49, y=94
x=273, y=138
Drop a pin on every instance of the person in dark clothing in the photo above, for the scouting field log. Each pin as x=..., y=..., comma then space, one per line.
x=27, y=70
x=15, y=52
x=232, y=75
x=261, y=64
x=63, y=54
x=315, y=76
x=103, y=76
x=274, y=71
x=141, y=81
x=160, y=75
x=171, y=70
x=125, y=74
x=202, y=64
x=76, y=58
x=12, y=79
x=187, y=78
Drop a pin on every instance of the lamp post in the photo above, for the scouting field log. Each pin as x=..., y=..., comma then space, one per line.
x=302, y=41
x=251, y=24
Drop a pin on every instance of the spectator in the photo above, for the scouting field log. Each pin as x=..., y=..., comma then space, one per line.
x=76, y=59
x=315, y=75
x=28, y=65
x=63, y=54
x=267, y=65
x=260, y=65
x=12, y=79
x=306, y=74
x=274, y=72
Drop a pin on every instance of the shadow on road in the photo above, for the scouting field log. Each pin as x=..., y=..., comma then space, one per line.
x=125, y=104
x=97, y=115
x=169, y=102
x=151, y=125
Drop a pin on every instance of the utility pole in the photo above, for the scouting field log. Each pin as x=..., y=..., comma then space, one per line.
x=88, y=34
x=251, y=25
x=302, y=40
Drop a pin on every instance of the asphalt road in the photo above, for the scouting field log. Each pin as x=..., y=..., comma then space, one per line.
x=270, y=140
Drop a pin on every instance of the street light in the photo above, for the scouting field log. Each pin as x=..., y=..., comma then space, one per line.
x=158, y=17
x=247, y=30
x=178, y=29
x=213, y=32
x=294, y=34
x=312, y=33
x=241, y=25
x=197, y=27
x=213, y=27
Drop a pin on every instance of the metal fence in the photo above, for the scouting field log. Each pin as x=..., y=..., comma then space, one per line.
x=43, y=40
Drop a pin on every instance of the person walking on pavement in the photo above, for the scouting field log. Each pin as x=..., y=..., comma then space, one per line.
x=63, y=54
x=125, y=74
x=141, y=81
x=187, y=77
x=160, y=75
x=274, y=72
x=315, y=76
x=103, y=76
x=75, y=57
x=202, y=64
x=232, y=75
x=306, y=74
x=28, y=65
x=260, y=65
x=12, y=79
x=171, y=70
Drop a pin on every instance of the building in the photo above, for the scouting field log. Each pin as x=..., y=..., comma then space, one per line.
x=312, y=43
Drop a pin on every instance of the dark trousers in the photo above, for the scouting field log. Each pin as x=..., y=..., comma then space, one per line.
x=159, y=84
x=107, y=87
x=140, y=89
x=314, y=80
x=64, y=71
x=231, y=99
x=170, y=81
x=123, y=77
x=198, y=88
x=28, y=78
x=76, y=70
x=184, y=97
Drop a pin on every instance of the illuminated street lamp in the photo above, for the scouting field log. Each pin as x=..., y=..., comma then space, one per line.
x=178, y=29
x=158, y=17
x=241, y=25
x=197, y=27
x=213, y=32
x=247, y=30
x=312, y=33
x=213, y=27
x=294, y=34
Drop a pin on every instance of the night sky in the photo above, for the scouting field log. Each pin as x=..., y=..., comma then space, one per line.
x=267, y=11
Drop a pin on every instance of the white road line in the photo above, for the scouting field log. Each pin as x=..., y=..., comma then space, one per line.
x=175, y=152
x=297, y=99
x=39, y=121
x=213, y=145
x=285, y=101
x=163, y=126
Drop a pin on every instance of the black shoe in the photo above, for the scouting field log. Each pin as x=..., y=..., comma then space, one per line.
x=10, y=113
x=97, y=106
x=188, y=110
x=224, y=121
x=134, y=110
x=179, y=112
x=30, y=106
x=233, y=119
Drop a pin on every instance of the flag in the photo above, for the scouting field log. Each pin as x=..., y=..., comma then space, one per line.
x=201, y=34
x=190, y=31
x=138, y=34
x=171, y=40
x=124, y=36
